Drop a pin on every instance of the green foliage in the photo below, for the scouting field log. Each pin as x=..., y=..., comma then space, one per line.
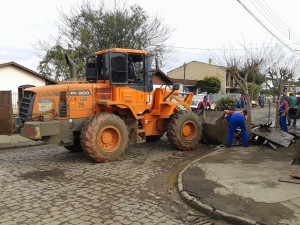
x=227, y=103
x=255, y=88
x=266, y=92
x=54, y=62
x=252, y=75
x=107, y=24
x=210, y=85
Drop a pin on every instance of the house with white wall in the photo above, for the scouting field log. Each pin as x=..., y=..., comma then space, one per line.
x=14, y=77
x=268, y=83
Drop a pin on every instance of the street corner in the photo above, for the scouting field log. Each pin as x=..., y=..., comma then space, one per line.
x=247, y=177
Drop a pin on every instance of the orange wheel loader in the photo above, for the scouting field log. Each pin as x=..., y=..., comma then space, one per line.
x=115, y=105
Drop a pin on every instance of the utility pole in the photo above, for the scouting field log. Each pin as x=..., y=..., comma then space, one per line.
x=184, y=83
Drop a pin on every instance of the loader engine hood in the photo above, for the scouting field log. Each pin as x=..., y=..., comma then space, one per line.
x=41, y=103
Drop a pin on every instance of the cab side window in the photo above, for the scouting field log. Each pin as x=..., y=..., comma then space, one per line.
x=136, y=69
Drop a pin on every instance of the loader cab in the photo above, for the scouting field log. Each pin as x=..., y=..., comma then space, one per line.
x=121, y=67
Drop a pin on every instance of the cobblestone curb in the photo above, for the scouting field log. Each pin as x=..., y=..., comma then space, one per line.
x=207, y=209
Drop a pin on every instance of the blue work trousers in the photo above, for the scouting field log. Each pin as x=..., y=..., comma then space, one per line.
x=282, y=123
x=242, y=104
x=237, y=120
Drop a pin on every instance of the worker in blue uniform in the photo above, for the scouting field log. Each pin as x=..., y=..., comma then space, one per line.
x=236, y=119
x=242, y=100
x=282, y=112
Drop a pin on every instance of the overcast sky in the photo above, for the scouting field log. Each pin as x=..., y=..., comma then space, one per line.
x=198, y=25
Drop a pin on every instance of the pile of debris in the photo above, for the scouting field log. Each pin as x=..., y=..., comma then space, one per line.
x=215, y=130
x=272, y=136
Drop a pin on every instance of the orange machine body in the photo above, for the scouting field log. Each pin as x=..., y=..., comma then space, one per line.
x=114, y=106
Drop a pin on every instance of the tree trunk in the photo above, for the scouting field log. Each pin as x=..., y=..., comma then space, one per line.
x=249, y=115
x=277, y=103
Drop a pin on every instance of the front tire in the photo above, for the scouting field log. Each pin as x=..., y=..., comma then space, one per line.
x=184, y=130
x=104, y=137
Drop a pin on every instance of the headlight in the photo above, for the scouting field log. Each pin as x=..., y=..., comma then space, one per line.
x=45, y=105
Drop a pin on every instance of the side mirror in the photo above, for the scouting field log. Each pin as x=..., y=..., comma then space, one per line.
x=176, y=86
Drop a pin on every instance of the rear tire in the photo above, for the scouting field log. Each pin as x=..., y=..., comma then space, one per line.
x=104, y=137
x=184, y=130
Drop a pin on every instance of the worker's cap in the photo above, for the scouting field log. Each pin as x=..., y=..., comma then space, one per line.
x=283, y=97
x=205, y=97
x=245, y=112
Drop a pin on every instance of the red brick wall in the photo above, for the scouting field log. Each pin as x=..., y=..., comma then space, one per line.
x=6, y=113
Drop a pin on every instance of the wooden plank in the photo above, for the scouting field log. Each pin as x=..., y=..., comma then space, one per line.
x=295, y=174
x=272, y=145
x=275, y=135
x=289, y=180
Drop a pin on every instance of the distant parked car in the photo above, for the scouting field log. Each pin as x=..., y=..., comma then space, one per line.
x=196, y=99
x=194, y=104
x=254, y=103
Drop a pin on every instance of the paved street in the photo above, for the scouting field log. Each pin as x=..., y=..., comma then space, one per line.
x=49, y=185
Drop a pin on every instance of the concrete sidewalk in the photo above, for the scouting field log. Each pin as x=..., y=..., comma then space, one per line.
x=16, y=141
x=240, y=185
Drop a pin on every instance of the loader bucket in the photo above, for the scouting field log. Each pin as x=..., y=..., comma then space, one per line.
x=215, y=128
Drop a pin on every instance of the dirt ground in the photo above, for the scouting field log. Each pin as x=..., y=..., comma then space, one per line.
x=266, y=213
x=165, y=186
x=233, y=203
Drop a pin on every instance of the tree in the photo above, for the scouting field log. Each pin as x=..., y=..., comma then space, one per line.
x=247, y=70
x=90, y=28
x=250, y=68
x=254, y=81
x=210, y=85
x=241, y=71
x=280, y=74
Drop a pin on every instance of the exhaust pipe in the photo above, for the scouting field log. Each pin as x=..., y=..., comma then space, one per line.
x=72, y=65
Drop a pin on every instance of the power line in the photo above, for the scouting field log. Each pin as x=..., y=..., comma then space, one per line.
x=266, y=27
x=208, y=49
x=225, y=49
x=270, y=18
x=274, y=20
x=278, y=18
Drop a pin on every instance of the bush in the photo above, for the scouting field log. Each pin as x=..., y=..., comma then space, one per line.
x=226, y=104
